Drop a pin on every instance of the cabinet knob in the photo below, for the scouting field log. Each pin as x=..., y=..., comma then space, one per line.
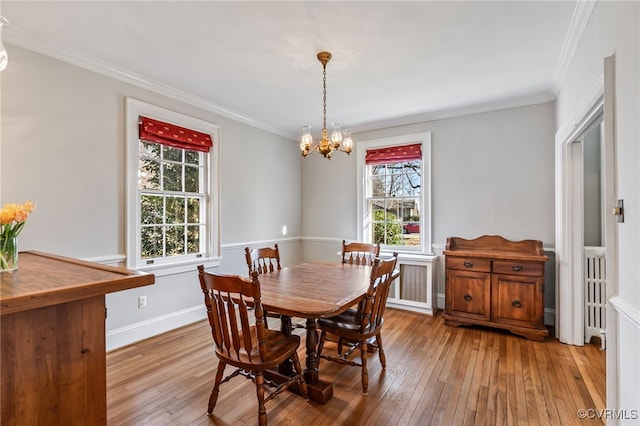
x=468, y=264
x=517, y=268
x=467, y=297
x=517, y=303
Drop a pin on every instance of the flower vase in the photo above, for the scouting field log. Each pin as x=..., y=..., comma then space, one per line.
x=8, y=254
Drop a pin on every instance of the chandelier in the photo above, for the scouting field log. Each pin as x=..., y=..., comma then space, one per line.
x=340, y=141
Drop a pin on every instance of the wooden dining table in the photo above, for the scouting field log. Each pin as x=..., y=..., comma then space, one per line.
x=313, y=290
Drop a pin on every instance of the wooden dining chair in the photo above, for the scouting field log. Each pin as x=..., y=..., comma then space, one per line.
x=252, y=349
x=265, y=260
x=359, y=253
x=360, y=328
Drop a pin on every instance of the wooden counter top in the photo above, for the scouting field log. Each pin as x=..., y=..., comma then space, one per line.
x=44, y=279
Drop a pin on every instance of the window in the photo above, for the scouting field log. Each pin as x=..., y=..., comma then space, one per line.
x=394, y=192
x=172, y=207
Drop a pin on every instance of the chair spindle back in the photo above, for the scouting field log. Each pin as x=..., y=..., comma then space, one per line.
x=263, y=260
x=356, y=253
x=228, y=299
x=382, y=275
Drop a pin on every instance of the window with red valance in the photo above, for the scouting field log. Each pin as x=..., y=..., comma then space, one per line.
x=394, y=198
x=175, y=136
x=172, y=198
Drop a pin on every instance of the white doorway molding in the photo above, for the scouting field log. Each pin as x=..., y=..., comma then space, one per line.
x=597, y=102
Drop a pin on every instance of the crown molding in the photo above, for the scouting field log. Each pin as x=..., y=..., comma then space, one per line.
x=497, y=105
x=579, y=20
x=21, y=39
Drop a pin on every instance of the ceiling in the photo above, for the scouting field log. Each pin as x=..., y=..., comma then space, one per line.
x=393, y=62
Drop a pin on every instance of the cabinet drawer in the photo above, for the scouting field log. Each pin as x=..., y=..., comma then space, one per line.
x=468, y=264
x=510, y=267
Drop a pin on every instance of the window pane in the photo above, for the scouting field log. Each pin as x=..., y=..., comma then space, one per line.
x=192, y=157
x=148, y=174
x=394, y=185
x=151, y=210
x=171, y=154
x=193, y=239
x=175, y=210
x=151, y=242
x=175, y=240
x=378, y=187
x=193, y=210
x=411, y=185
x=393, y=210
x=191, y=179
x=172, y=180
x=149, y=150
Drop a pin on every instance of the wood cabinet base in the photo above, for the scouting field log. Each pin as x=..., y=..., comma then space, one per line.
x=54, y=365
x=536, y=334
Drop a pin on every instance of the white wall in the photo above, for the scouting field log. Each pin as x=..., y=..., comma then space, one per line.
x=614, y=29
x=63, y=147
x=493, y=173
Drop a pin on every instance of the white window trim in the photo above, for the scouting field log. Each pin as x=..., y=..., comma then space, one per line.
x=425, y=217
x=134, y=109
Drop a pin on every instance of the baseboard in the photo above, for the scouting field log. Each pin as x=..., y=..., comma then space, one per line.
x=441, y=301
x=133, y=333
x=550, y=317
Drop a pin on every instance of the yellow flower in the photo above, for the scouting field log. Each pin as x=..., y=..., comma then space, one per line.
x=6, y=216
x=20, y=215
x=29, y=206
x=13, y=218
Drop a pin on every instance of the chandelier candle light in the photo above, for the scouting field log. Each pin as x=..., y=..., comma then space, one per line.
x=340, y=141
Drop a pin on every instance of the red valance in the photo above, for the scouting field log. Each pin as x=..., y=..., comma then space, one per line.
x=394, y=154
x=169, y=134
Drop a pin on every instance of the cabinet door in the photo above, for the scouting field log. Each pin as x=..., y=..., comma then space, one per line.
x=517, y=300
x=468, y=294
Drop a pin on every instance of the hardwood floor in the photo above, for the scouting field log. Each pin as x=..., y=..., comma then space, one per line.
x=435, y=375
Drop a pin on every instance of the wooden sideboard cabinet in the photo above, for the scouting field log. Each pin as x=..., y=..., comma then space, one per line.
x=495, y=282
x=52, y=327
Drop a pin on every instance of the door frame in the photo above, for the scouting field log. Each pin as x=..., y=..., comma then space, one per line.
x=598, y=99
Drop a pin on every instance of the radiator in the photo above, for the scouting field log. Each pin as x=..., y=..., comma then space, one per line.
x=595, y=320
x=412, y=283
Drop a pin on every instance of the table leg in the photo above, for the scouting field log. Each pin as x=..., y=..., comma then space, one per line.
x=319, y=391
x=286, y=368
x=311, y=370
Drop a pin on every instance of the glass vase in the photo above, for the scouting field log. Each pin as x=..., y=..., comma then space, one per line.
x=8, y=254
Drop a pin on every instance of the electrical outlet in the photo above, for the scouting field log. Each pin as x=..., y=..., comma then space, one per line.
x=142, y=302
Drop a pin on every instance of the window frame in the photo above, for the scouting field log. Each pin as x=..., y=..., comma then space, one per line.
x=211, y=180
x=425, y=217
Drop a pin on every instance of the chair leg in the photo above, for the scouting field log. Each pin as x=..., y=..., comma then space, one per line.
x=323, y=337
x=365, y=373
x=301, y=383
x=262, y=412
x=216, y=387
x=381, y=355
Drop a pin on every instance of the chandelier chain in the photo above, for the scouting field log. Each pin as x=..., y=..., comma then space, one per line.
x=324, y=96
